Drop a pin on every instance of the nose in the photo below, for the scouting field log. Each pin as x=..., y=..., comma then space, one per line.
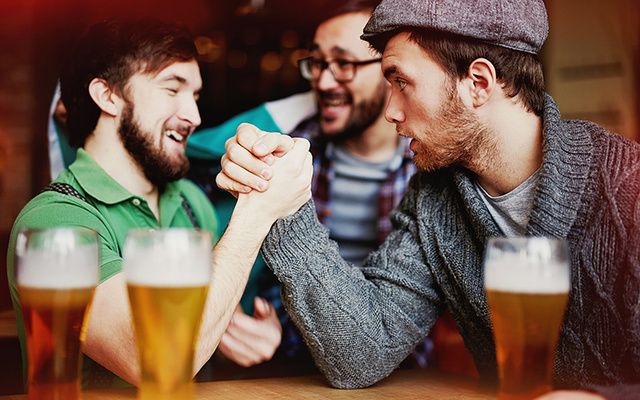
x=393, y=112
x=189, y=112
x=326, y=81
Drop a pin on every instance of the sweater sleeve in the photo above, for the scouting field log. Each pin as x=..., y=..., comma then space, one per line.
x=358, y=323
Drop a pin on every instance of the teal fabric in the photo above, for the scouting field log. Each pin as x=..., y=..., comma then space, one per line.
x=68, y=152
x=209, y=143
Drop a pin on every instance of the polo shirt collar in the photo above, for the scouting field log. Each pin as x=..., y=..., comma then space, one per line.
x=96, y=182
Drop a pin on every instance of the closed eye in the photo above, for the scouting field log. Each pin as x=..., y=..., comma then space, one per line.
x=172, y=91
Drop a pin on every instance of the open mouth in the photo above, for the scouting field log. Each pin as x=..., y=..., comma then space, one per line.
x=335, y=99
x=175, y=135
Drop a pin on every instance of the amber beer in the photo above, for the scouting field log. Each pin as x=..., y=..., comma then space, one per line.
x=167, y=275
x=56, y=276
x=527, y=296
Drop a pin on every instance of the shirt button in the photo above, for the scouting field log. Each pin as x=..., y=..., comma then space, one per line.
x=136, y=202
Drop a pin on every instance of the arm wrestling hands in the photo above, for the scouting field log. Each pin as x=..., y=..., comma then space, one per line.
x=250, y=158
x=269, y=170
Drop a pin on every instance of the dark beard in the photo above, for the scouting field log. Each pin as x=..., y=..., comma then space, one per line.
x=363, y=116
x=158, y=168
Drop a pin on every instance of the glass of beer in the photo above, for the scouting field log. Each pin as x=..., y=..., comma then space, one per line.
x=56, y=274
x=167, y=273
x=527, y=285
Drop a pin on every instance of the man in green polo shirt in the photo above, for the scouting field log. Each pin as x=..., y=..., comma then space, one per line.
x=130, y=91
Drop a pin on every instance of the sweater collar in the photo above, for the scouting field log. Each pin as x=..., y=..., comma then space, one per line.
x=567, y=158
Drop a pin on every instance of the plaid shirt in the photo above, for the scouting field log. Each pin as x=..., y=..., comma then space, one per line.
x=391, y=192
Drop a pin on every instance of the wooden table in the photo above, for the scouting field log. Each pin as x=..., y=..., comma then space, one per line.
x=404, y=384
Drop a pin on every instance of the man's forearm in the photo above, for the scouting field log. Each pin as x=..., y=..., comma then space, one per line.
x=110, y=338
x=347, y=314
x=233, y=258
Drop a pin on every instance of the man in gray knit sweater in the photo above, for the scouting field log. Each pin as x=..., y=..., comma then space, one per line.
x=496, y=159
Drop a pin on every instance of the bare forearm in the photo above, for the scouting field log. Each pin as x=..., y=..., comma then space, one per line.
x=233, y=258
x=110, y=340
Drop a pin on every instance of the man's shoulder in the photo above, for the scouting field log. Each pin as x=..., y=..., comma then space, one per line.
x=49, y=206
x=602, y=137
x=614, y=172
x=614, y=155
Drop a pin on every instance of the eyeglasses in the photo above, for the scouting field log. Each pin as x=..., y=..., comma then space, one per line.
x=343, y=71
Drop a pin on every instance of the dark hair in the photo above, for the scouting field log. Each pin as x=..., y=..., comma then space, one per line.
x=351, y=6
x=114, y=50
x=519, y=73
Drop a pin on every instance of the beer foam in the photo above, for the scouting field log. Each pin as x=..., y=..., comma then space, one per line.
x=44, y=269
x=173, y=257
x=512, y=274
x=167, y=270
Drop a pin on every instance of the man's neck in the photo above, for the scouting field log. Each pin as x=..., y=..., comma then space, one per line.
x=106, y=148
x=377, y=143
x=517, y=150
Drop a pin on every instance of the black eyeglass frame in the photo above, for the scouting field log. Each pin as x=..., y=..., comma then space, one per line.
x=304, y=65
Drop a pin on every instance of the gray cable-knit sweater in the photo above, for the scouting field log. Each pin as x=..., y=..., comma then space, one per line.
x=361, y=323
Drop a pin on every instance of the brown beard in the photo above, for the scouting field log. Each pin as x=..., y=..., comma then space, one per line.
x=156, y=166
x=467, y=142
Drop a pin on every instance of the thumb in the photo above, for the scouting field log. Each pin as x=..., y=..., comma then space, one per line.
x=261, y=308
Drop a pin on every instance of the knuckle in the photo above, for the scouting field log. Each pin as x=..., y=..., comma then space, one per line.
x=246, y=131
x=244, y=128
x=219, y=179
x=235, y=153
x=229, y=142
x=225, y=169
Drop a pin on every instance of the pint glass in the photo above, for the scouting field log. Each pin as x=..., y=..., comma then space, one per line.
x=527, y=285
x=56, y=273
x=167, y=273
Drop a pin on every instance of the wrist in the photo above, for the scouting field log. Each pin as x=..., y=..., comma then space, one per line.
x=251, y=214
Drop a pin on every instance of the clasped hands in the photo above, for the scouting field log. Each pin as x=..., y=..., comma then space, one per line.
x=269, y=169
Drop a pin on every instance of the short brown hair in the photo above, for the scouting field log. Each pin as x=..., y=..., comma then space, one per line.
x=114, y=50
x=519, y=73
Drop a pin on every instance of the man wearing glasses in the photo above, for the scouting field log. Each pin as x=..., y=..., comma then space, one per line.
x=361, y=170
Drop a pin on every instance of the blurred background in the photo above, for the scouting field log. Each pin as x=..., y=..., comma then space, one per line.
x=249, y=50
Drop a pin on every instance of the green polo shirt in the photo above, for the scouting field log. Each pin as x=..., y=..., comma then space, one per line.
x=110, y=210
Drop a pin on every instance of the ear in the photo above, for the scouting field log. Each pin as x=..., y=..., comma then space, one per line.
x=103, y=96
x=482, y=81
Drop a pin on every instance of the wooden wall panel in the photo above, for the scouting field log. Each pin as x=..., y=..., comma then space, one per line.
x=591, y=60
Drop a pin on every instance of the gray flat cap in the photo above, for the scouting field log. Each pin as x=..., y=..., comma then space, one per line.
x=515, y=24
